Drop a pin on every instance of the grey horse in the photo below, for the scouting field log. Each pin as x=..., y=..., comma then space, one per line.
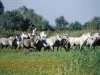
x=5, y=42
x=34, y=42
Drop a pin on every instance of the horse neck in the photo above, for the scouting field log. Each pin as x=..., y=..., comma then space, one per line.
x=51, y=39
x=11, y=38
x=85, y=36
x=42, y=35
x=57, y=38
x=95, y=36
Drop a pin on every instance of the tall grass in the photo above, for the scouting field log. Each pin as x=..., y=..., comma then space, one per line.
x=75, y=62
x=7, y=33
x=72, y=33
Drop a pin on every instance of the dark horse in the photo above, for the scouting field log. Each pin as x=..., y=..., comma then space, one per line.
x=34, y=42
x=65, y=44
x=96, y=43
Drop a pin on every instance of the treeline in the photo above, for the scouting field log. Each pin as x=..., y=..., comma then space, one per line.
x=23, y=19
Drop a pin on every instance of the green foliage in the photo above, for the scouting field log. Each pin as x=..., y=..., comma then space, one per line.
x=8, y=33
x=13, y=20
x=94, y=23
x=75, y=26
x=22, y=18
x=35, y=19
x=61, y=23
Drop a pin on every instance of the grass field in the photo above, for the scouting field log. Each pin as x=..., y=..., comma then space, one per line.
x=75, y=62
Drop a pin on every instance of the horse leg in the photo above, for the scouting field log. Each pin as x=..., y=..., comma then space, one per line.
x=83, y=47
x=48, y=48
x=71, y=46
x=6, y=46
x=11, y=46
x=65, y=48
x=60, y=48
x=93, y=47
x=39, y=49
x=90, y=46
x=57, y=48
x=18, y=47
x=22, y=46
x=51, y=48
x=44, y=48
x=2, y=46
x=80, y=47
x=68, y=46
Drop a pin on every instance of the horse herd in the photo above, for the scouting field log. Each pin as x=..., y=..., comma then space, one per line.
x=37, y=42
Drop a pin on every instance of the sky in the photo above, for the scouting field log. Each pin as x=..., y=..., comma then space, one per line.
x=72, y=10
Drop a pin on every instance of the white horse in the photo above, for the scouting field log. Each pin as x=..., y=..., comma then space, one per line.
x=7, y=41
x=30, y=35
x=52, y=42
x=79, y=40
x=43, y=34
x=24, y=36
x=90, y=41
x=21, y=37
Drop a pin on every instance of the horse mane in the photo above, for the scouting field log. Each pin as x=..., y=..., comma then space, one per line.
x=84, y=34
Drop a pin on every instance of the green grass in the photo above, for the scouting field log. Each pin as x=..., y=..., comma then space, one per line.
x=75, y=62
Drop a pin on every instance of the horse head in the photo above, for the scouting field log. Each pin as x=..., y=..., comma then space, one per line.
x=43, y=34
x=24, y=36
x=96, y=36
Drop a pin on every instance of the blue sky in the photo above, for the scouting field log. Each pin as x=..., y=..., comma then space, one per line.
x=72, y=10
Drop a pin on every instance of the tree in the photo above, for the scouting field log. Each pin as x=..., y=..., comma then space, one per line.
x=93, y=23
x=36, y=20
x=1, y=7
x=87, y=25
x=14, y=20
x=75, y=26
x=23, y=19
x=61, y=22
